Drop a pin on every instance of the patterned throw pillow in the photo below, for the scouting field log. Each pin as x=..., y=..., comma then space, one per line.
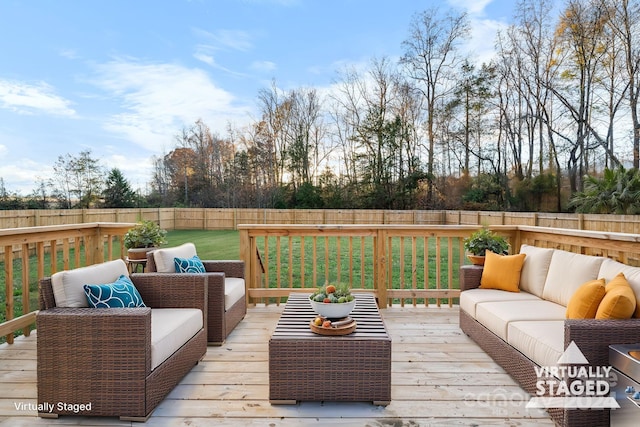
x=121, y=293
x=189, y=265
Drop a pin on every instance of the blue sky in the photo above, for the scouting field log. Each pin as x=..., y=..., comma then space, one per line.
x=122, y=78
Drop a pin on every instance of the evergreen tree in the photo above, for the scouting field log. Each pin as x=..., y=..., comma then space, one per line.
x=118, y=192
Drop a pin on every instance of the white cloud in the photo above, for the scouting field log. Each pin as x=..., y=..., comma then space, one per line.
x=238, y=40
x=481, y=45
x=264, y=66
x=474, y=7
x=24, y=98
x=207, y=59
x=23, y=175
x=158, y=99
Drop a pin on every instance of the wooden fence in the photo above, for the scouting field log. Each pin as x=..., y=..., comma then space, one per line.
x=229, y=219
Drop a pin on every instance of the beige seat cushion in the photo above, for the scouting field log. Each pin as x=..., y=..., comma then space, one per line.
x=68, y=285
x=471, y=298
x=171, y=328
x=164, y=257
x=496, y=316
x=535, y=269
x=233, y=291
x=567, y=272
x=541, y=340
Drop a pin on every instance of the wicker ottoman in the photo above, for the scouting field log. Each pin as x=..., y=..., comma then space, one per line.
x=307, y=366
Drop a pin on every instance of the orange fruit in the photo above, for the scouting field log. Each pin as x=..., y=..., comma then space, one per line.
x=331, y=289
x=326, y=324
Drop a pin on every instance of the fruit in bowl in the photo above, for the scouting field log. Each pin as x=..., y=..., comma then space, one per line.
x=333, y=301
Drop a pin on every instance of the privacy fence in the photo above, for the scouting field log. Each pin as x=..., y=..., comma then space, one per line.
x=229, y=219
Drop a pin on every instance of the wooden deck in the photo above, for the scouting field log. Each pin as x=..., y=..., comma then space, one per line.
x=439, y=378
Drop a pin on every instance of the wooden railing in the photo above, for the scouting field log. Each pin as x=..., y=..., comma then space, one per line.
x=40, y=251
x=401, y=264
x=416, y=265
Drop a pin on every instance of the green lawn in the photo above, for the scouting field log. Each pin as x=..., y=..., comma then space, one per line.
x=217, y=244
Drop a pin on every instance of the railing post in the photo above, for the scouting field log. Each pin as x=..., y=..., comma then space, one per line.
x=8, y=274
x=245, y=255
x=380, y=273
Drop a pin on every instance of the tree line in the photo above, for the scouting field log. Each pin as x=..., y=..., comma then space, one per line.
x=555, y=109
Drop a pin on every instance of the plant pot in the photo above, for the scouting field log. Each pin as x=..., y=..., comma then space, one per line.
x=476, y=259
x=138, y=253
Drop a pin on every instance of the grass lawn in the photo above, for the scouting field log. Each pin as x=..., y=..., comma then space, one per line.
x=216, y=244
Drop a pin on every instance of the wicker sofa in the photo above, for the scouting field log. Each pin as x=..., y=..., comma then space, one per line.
x=227, y=303
x=528, y=329
x=116, y=361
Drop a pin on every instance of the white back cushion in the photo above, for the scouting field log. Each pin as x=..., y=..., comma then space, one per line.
x=68, y=285
x=535, y=269
x=164, y=257
x=567, y=271
x=610, y=269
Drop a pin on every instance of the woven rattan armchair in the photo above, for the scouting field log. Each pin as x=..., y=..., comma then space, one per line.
x=101, y=357
x=222, y=319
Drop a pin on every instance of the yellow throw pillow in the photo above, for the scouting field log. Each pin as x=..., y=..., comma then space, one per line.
x=619, y=301
x=585, y=300
x=502, y=272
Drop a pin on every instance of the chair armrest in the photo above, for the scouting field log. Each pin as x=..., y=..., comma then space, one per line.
x=172, y=290
x=86, y=339
x=470, y=276
x=593, y=336
x=231, y=268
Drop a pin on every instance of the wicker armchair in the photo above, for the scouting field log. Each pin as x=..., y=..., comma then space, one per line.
x=223, y=315
x=98, y=361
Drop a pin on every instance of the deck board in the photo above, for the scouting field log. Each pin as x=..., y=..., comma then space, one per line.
x=439, y=377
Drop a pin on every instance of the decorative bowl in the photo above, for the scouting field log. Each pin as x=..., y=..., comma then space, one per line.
x=336, y=310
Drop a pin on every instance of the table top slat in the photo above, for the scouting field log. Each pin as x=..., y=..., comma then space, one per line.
x=295, y=318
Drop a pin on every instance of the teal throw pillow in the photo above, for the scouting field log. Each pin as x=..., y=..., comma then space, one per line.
x=189, y=265
x=122, y=293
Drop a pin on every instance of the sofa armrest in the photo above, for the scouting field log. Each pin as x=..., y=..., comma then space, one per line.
x=93, y=340
x=231, y=268
x=172, y=290
x=593, y=336
x=470, y=276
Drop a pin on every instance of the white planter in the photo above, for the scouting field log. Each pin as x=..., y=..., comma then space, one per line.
x=333, y=310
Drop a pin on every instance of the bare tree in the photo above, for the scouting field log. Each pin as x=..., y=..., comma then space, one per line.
x=77, y=180
x=624, y=23
x=431, y=60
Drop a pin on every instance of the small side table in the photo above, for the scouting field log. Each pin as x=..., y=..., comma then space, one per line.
x=136, y=264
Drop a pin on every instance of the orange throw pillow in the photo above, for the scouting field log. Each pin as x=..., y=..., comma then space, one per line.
x=585, y=300
x=619, y=301
x=502, y=272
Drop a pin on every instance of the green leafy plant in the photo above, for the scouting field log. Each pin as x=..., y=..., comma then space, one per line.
x=484, y=239
x=146, y=234
x=332, y=293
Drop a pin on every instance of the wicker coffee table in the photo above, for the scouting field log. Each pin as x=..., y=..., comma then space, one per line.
x=307, y=366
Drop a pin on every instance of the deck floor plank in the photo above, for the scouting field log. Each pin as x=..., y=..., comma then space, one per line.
x=440, y=377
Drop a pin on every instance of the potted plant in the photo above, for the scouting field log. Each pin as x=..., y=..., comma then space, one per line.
x=145, y=236
x=482, y=240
